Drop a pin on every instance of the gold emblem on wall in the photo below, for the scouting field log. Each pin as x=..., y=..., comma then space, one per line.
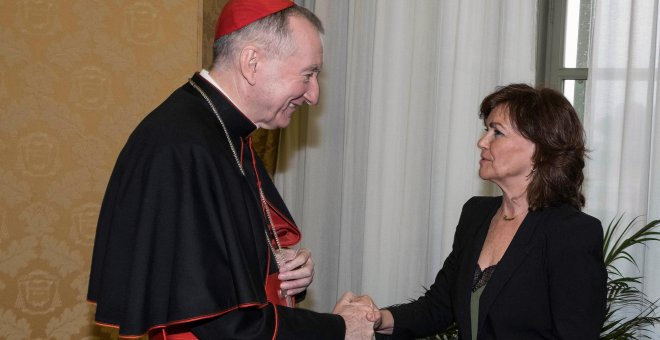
x=3, y=85
x=91, y=88
x=83, y=226
x=39, y=219
x=37, y=17
x=4, y=232
x=38, y=293
x=142, y=23
x=38, y=155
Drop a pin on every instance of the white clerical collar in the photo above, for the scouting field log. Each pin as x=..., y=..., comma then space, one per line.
x=206, y=75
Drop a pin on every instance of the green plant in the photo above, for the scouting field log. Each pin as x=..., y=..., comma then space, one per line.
x=451, y=333
x=629, y=311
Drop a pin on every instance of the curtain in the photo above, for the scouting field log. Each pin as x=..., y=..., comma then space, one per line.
x=622, y=123
x=377, y=173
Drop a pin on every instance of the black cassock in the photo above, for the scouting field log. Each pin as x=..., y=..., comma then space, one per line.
x=180, y=238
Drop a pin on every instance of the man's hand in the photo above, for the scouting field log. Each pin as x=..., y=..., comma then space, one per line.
x=375, y=314
x=297, y=273
x=354, y=310
x=382, y=318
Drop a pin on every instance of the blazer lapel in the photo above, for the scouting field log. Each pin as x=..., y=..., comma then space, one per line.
x=512, y=258
x=468, y=265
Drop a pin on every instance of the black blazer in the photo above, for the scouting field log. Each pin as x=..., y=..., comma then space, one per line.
x=549, y=284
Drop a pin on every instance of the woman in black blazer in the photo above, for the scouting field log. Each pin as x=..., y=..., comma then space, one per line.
x=527, y=264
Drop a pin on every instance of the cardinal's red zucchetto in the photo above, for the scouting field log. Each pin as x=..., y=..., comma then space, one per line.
x=239, y=13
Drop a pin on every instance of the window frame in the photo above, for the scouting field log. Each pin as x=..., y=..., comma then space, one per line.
x=550, y=70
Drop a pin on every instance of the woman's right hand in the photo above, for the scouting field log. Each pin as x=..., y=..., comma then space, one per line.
x=382, y=318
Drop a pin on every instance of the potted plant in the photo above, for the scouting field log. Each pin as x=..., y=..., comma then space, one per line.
x=629, y=311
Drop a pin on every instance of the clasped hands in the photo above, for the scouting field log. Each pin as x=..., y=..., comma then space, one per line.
x=360, y=314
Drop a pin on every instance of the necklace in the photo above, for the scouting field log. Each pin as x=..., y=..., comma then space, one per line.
x=279, y=256
x=507, y=218
x=511, y=218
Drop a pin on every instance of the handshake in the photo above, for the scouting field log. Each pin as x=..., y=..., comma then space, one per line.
x=362, y=316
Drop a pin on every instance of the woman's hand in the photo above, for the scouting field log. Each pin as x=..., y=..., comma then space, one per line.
x=354, y=310
x=382, y=318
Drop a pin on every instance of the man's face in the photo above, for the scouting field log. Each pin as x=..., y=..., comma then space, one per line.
x=286, y=82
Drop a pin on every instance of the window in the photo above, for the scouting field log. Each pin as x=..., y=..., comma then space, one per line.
x=563, y=48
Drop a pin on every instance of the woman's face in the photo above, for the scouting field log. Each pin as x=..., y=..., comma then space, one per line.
x=506, y=156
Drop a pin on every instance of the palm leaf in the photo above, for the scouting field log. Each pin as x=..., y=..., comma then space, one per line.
x=629, y=311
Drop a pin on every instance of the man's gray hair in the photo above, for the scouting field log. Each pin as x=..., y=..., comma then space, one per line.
x=272, y=33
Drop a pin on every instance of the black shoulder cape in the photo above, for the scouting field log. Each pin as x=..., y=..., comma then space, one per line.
x=180, y=237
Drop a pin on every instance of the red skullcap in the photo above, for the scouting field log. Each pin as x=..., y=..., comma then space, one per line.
x=239, y=13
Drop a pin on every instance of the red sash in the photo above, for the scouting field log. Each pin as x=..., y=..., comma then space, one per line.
x=273, y=291
x=288, y=234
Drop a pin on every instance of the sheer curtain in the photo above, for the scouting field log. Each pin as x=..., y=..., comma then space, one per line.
x=623, y=122
x=376, y=174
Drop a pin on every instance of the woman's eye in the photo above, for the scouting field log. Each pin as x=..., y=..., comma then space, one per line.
x=496, y=132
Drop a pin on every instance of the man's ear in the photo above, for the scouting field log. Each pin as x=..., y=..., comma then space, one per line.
x=248, y=59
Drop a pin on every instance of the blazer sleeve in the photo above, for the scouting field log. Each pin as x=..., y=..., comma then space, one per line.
x=577, y=276
x=432, y=312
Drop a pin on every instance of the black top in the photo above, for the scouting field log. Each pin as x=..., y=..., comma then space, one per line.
x=549, y=284
x=481, y=277
x=180, y=237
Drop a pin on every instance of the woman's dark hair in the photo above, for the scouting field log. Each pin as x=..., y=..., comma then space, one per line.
x=545, y=117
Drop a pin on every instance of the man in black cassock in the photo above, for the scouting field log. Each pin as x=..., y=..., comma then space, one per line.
x=193, y=238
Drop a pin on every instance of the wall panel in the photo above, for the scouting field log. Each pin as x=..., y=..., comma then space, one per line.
x=76, y=76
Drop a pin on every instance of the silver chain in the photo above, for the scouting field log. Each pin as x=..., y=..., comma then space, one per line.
x=279, y=260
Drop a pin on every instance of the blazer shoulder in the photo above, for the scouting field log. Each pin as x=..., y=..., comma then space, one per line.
x=567, y=220
x=481, y=203
x=566, y=214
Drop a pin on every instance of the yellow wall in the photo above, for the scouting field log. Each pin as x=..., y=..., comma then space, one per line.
x=76, y=76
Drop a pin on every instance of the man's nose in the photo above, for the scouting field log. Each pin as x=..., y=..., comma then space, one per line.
x=313, y=92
